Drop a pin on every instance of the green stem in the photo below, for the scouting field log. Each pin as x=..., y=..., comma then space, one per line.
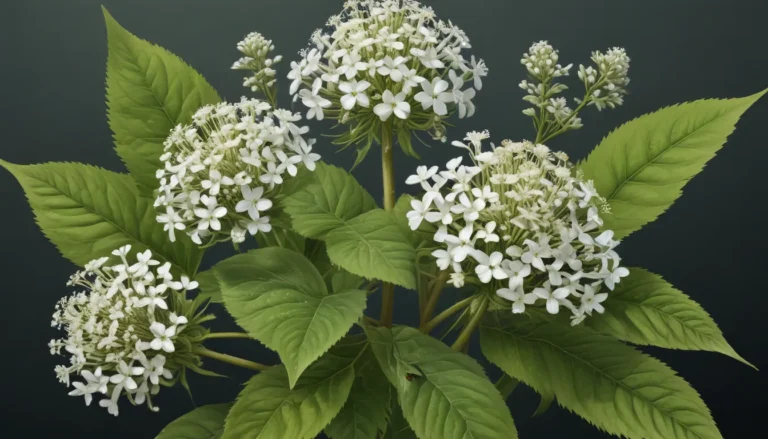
x=226, y=335
x=225, y=358
x=388, y=180
x=443, y=316
x=434, y=296
x=506, y=385
x=468, y=330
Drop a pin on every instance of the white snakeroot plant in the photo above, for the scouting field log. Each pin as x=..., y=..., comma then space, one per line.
x=519, y=219
x=220, y=173
x=123, y=327
x=387, y=63
x=527, y=236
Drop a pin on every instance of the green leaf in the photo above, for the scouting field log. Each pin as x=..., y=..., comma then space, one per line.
x=373, y=246
x=646, y=310
x=332, y=199
x=641, y=167
x=544, y=403
x=444, y=394
x=206, y=422
x=398, y=427
x=149, y=91
x=367, y=408
x=268, y=408
x=611, y=385
x=280, y=237
x=279, y=297
x=88, y=212
x=209, y=285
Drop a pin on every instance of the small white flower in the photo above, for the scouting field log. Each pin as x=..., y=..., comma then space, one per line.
x=518, y=298
x=614, y=277
x=124, y=375
x=315, y=103
x=435, y=96
x=355, y=94
x=144, y=261
x=463, y=244
x=252, y=202
x=489, y=266
x=163, y=337
x=416, y=216
x=553, y=298
x=591, y=301
x=392, y=104
x=422, y=174
x=209, y=216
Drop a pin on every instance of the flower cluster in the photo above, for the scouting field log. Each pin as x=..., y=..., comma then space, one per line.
x=220, y=172
x=519, y=220
x=387, y=60
x=122, y=329
x=604, y=86
x=256, y=49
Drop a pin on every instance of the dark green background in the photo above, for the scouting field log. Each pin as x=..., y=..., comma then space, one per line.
x=711, y=244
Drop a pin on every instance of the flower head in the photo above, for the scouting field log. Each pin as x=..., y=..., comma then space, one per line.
x=221, y=172
x=123, y=329
x=387, y=61
x=256, y=50
x=523, y=222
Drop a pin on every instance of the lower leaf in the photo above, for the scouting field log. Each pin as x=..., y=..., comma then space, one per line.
x=610, y=384
x=206, y=422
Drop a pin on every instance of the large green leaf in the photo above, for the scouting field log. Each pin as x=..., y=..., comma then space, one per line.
x=88, y=212
x=373, y=246
x=398, y=427
x=444, y=394
x=641, y=167
x=206, y=422
x=279, y=297
x=269, y=409
x=331, y=199
x=365, y=413
x=209, y=285
x=610, y=384
x=645, y=309
x=149, y=91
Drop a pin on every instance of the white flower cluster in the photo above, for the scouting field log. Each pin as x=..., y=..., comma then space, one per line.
x=520, y=220
x=387, y=59
x=121, y=330
x=256, y=49
x=609, y=82
x=220, y=172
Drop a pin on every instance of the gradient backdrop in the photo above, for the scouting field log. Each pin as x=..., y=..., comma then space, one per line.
x=711, y=244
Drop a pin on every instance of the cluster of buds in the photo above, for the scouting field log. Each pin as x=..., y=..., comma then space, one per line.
x=129, y=330
x=257, y=59
x=605, y=86
x=522, y=222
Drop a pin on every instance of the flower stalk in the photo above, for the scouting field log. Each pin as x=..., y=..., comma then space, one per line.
x=427, y=327
x=466, y=334
x=214, y=335
x=230, y=359
x=388, y=181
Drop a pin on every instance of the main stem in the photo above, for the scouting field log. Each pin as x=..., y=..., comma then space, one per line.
x=388, y=180
x=225, y=358
x=226, y=335
x=474, y=322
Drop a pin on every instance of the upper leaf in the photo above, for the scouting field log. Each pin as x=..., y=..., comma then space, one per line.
x=367, y=408
x=328, y=202
x=641, y=167
x=280, y=298
x=373, y=246
x=444, y=394
x=645, y=309
x=149, y=91
x=88, y=212
x=268, y=408
x=206, y=422
x=608, y=383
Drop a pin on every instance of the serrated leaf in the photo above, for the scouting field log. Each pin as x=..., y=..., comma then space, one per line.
x=206, y=422
x=646, y=310
x=641, y=167
x=612, y=385
x=268, y=408
x=149, y=91
x=280, y=237
x=398, y=427
x=280, y=298
x=373, y=246
x=88, y=212
x=444, y=394
x=365, y=413
x=328, y=202
x=209, y=285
